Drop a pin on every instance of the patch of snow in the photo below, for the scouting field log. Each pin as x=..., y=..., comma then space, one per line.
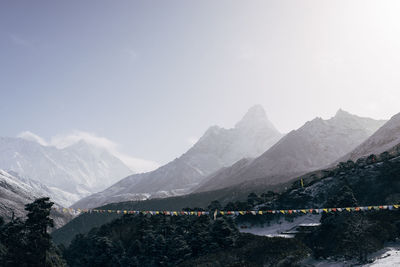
x=387, y=257
x=281, y=226
x=310, y=224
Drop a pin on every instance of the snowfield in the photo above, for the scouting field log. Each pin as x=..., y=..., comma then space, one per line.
x=282, y=227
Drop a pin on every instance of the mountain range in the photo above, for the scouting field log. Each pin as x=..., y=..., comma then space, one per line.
x=226, y=157
x=314, y=145
x=217, y=148
x=252, y=152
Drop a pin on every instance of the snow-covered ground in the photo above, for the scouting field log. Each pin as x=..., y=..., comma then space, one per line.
x=276, y=228
x=389, y=256
x=386, y=257
x=329, y=263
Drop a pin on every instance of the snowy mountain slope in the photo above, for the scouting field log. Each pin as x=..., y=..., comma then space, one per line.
x=71, y=173
x=316, y=144
x=387, y=137
x=61, y=198
x=217, y=148
x=15, y=192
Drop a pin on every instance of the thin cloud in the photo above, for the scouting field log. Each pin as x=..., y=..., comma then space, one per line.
x=64, y=140
x=27, y=135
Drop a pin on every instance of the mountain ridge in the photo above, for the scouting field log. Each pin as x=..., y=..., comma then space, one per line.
x=314, y=145
x=382, y=140
x=217, y=148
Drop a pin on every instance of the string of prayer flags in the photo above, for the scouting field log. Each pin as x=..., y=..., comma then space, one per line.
x=233, y=213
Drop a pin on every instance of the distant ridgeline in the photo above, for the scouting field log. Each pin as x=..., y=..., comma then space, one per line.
x=370, y=184
x=303, y=181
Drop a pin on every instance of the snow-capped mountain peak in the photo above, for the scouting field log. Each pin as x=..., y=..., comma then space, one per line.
x=255, y=118
x=75, y=171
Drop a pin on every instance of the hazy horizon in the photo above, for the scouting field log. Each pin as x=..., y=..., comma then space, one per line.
x=146, y=79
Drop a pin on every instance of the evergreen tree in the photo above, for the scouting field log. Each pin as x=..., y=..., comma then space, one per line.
x=103, y=252
x=160, y=251
x=13, y=235
x=178, y=249
x=222, y=234
x=28, y=243
x=37, y=236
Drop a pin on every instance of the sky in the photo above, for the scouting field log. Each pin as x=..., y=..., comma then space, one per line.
x=145, y=79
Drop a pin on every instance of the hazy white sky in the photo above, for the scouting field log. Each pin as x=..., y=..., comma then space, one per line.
x=152, y=76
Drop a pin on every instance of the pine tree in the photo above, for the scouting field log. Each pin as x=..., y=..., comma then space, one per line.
x=222, y=234
x=178, y=249
x=160, y=251
x=37, y=224
x=14, y=240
